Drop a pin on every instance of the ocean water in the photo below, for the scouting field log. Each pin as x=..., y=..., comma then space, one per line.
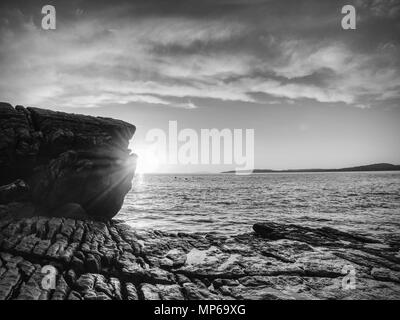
x=365, y=202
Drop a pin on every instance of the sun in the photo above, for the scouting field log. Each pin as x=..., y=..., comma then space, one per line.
x=147, y=161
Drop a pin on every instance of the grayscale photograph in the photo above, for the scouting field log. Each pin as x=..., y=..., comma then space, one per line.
x=218, y=150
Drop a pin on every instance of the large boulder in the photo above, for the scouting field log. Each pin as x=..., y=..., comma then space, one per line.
x=67, y=158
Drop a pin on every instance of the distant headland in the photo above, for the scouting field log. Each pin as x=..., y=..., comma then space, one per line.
x=371, y=167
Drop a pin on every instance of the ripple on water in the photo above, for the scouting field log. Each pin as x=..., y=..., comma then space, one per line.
x=231, y=204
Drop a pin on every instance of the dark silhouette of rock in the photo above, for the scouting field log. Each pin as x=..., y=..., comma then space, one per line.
x=19, y=143
x=67, y=158
x=324, y=235
x=71, y=210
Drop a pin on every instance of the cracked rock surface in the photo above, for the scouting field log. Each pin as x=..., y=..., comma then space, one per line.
x=111, y=261
x=69, y=165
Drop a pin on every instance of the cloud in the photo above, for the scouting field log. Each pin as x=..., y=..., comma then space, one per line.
x=113, y=58
x=298, y=91
x=349, y=76
x=380, y=8
x=302, y=59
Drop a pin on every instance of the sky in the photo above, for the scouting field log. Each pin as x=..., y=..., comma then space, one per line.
x=316, y=95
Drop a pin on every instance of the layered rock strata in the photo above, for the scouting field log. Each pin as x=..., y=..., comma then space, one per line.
x=73, y=165
x=112, y=261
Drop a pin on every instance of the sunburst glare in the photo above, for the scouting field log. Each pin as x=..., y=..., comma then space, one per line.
x=148, y=160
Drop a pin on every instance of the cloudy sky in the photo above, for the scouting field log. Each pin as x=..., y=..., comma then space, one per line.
x=315, y=94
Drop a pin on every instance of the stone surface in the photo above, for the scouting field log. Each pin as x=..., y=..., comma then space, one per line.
x=65, y=159
x=13, y=192
x=111, y=261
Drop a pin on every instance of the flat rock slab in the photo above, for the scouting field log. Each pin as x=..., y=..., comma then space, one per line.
x=112, y=261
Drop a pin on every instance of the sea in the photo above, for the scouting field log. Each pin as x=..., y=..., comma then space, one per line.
x=361, y=202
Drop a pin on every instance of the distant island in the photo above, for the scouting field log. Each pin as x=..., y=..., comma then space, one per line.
x=371, y=167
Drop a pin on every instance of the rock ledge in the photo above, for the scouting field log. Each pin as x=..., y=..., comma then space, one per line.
x=112, y=261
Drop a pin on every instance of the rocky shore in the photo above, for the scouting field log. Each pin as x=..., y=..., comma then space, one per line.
x=112, y=261
x=63, y=177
